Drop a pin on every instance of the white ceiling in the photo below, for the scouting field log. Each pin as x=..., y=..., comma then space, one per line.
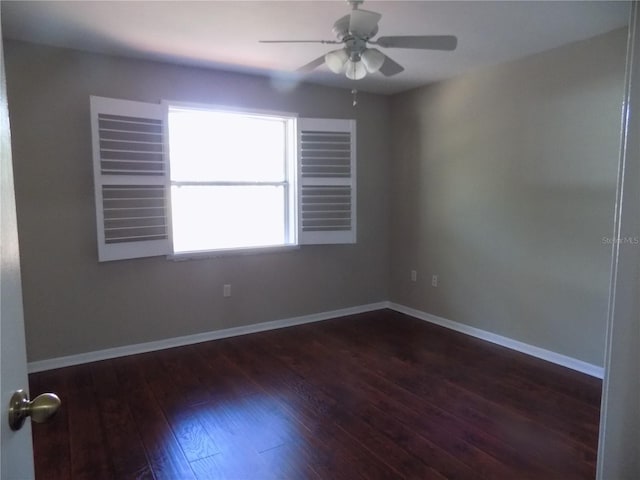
x=225, y=34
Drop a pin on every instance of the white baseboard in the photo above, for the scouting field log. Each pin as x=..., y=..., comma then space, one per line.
x=557, y=358
x=67, y=361
x=548, y=355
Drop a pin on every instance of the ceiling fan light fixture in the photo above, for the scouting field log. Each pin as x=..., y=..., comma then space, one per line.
x=336, y=59
x=372, y=58
x=355, y=70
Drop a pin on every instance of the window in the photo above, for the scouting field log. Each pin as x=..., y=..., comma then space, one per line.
x=172, y=178
x=232, y=179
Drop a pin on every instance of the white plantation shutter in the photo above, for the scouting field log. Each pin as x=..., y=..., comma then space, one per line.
x=326, y=181
x=130, y=178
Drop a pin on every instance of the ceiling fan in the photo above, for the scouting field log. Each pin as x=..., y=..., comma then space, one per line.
x=355, y=59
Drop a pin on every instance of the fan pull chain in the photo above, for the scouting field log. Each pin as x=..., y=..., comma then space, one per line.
x=354, y=92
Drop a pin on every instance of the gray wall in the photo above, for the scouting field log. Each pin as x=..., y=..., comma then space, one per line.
x=503, y=184
x=73, y=304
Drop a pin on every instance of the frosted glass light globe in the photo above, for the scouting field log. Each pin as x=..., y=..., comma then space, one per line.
x=355, y=70
x=336, y=59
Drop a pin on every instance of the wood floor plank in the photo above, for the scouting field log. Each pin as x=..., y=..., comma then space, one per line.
x=492, y=360
x=425, y=387
x=308, y=396
x=291, y=461
x=176, y=391
x=371, y=396
x=423, y=381
x=166, y=458
x=350, y=423
x=123, y=446
x=89, y=460
x=224, y=466
x=226, y=380
x=558, y=442
x=559, y=379
x=331, y=459
x=193, y=438
x=433, y=424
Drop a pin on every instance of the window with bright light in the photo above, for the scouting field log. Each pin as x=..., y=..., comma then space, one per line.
x=232, y=179
x=178, y=179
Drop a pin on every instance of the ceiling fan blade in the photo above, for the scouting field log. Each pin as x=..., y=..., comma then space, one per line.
x=341, y=26
x=363, y=23
x=309, y=67
x=298, y=41
x=423, y=42
x=390, y=67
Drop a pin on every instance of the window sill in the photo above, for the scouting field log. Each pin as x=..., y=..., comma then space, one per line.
x=179, y=257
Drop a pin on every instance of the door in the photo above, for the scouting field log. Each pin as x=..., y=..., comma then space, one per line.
x=619, y=448
x=16, y=452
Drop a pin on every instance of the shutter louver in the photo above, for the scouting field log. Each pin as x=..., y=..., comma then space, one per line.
x=327, y=207
x=131, y=179
x=134, y=213
x=130, y=145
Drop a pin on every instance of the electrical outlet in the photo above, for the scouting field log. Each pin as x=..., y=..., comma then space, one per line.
x=434, y=280
x=226, y=290
x=414, y=276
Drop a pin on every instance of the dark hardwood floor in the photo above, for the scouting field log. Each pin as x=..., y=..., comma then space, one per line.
x=376, y=395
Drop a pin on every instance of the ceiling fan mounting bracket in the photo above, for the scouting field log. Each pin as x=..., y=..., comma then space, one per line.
x=355, y=3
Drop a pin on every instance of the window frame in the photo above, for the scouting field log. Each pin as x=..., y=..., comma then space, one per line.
x=319, y=197
x=290, y=182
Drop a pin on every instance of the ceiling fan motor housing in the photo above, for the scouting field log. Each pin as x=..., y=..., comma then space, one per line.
x=341, y=29
x=355, y=46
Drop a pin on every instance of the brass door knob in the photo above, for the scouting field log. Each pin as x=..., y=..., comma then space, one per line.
x=40, y=409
